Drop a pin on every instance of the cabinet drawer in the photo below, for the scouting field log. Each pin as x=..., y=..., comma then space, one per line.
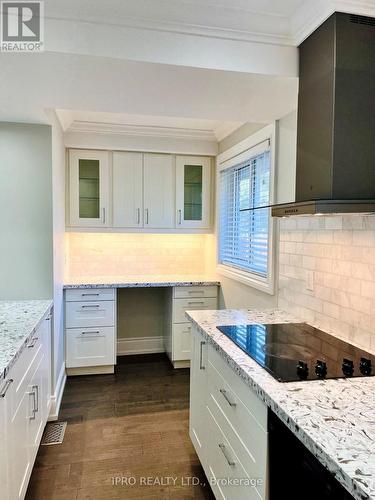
x=184, y=292
x=181, y=341
x=88, y=294
x=225, y=375
x=246, y=436
x=90, y=347
x=225, y=466
x=182, y=305
x=87, y=314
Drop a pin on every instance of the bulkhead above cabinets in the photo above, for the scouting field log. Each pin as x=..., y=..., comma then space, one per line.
x=138, y=191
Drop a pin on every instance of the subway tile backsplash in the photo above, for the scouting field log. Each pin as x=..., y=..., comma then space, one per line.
x=138, y=254
x=327, y=274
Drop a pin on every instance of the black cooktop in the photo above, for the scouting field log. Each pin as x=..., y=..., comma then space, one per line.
x=298, y=351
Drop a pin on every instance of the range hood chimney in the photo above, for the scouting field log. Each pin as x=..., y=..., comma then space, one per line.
x=336, y=120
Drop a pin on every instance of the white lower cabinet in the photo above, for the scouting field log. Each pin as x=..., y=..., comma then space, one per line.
x=90, y=333
x=25, y=397
x=178, y=331
x=228, y=426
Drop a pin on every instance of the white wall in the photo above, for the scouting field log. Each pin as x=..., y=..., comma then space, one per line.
x=26, y=208
x=233, y=293
x=58, y=197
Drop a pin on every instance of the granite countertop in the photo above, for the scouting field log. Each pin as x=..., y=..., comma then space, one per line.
x=335, y=419
x=18, y=322
x=118, y=281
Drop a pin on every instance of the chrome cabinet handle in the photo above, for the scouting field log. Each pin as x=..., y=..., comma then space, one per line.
x=195, y=302
x=225, y=394
x=6, y=387
x=36, y=397
x=88, y=333
x=138, y=215
x=90, y=294
x=195, y=291
x=33, y=342
x=33, y=411
x=146, y=212
x=180, y=217
x=94, y=305
x=103, y=212
x=201, y=366
x=223, y=448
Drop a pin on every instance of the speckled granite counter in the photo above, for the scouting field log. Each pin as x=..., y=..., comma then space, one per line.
x=136, y=282
x=335, y=419
x=18, y=322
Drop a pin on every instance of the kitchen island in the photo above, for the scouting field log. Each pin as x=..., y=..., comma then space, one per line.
x=334, y=419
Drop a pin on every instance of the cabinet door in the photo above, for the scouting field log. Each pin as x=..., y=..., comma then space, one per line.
x=127, y=190
x=159, y=180
x=20, y=463
x=36, y=411
x=89, y=188
x=193, y=191
x=198, y=394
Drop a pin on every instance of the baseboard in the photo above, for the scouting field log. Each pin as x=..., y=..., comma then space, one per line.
x=91, y=370
x=57, y=396
x=140, y=345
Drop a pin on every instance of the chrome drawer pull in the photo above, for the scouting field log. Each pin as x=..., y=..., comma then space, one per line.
x=195, y=291
x=196, y=302
x=201, y=367
x=180, y=217
x=34, y=405
x=90, y=294
x=95, y=305
x=224, y=393
x=88, y=333
x=33, y=342
x=37, y=397
x=223, y=448
x=6, y=387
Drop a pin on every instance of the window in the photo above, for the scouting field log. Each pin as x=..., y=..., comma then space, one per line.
x=244, y=216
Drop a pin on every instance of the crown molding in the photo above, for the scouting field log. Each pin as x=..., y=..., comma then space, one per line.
x=142, y=130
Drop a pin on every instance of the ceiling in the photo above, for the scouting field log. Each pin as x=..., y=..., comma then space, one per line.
x=146, y=124
x=201, y=65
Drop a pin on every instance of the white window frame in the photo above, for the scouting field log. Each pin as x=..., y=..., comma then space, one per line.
x=230, y=158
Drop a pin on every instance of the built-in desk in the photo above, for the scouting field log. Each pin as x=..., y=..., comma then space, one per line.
x=104, y=318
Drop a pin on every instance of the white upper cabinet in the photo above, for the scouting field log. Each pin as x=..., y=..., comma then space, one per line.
x=193, y=191
x=159, y=191
x=135, y=190
x=127, y=189
x=89, y=188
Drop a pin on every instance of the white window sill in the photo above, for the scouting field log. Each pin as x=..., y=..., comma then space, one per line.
x=263, y=284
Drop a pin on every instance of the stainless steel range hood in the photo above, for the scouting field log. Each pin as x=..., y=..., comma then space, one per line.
x=335, y=171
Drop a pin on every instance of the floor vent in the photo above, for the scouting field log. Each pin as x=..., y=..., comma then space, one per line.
x=54, y=433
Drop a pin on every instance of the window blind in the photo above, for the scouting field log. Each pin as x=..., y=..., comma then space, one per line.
x=244, y=216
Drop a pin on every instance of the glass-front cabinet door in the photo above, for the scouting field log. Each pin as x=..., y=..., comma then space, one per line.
x=89, y=188
x=193, y=191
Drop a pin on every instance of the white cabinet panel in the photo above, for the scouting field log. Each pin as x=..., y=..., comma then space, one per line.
x=198, y=395
x=193, y=191
x=181, y=341
x=89, y=188
x=88, y=294
x=90, y=347
x=191, y=292
x=127, y=190
x=159, y=197
x=89, y=314
x=192, y=304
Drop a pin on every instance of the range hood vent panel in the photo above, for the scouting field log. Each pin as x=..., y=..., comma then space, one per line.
x=336, y=115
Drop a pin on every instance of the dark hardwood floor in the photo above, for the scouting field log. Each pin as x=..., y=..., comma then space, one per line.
x=131, y=427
